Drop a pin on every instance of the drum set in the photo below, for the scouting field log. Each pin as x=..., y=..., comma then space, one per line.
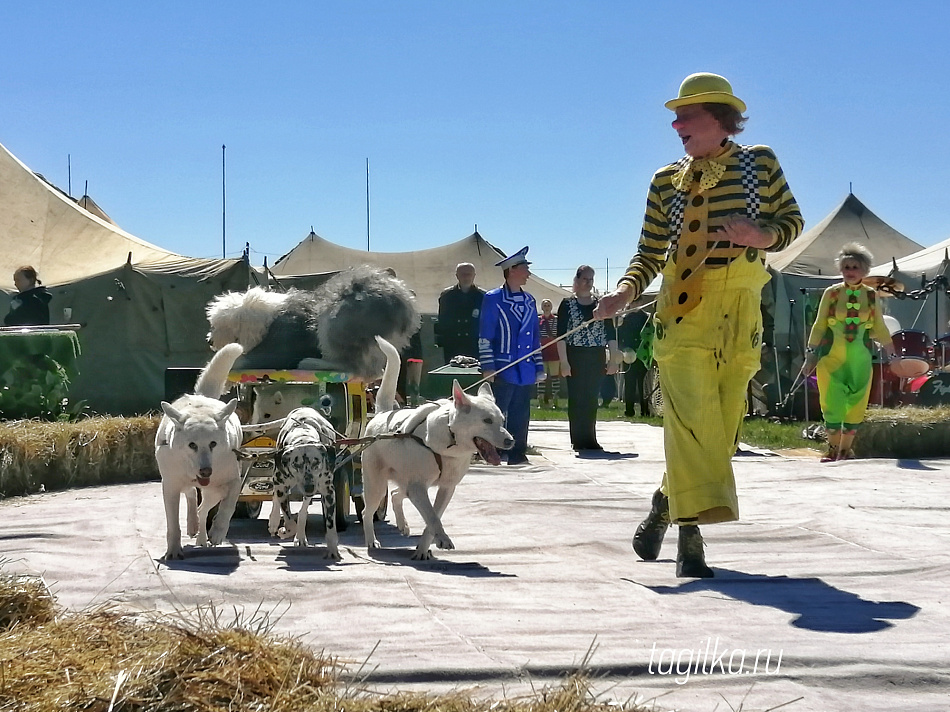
x=919, y=374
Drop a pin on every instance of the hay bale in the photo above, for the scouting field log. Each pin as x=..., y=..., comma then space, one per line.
x=909, y=432
x=38, y=455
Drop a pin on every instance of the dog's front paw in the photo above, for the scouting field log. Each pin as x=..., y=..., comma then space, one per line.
x=443, y=542
x=173, y=553
x=333, y=554
x=301, y=541
x=421, y=555
x=404, y=529
x=285, y=533
x=202, y=538
x=217, y=535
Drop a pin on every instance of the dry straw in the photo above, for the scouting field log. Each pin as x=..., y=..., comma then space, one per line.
x=106, y=660
x=37, y=455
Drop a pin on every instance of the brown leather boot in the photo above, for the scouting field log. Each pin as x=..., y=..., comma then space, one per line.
x=690, y=558
x=649, y=536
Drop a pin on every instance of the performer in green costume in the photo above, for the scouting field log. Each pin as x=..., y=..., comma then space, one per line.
x=839, y=347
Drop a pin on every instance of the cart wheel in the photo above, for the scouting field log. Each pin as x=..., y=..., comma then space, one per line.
x=341, y=484
x=248, y=510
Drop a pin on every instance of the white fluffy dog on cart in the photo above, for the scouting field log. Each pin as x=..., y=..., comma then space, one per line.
x=305, y=458
x=428, y=446
x=196, y=446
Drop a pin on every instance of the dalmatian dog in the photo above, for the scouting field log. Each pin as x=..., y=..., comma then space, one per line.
x=305, y=458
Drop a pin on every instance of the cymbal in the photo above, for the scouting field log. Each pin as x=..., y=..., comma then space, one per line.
x=885, y=286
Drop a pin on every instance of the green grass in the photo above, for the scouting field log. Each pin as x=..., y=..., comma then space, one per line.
x=758, y=432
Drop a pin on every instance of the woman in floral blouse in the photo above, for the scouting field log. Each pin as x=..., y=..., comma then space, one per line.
x=839, y=348
x=584, y=358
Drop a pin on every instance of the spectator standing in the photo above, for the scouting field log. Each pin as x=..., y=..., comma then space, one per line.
x=547, y=325
x=456, y=331
x=584, y=361
x=30, y=306
x=628, y=339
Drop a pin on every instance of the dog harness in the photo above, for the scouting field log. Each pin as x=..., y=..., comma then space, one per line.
x=437, y=456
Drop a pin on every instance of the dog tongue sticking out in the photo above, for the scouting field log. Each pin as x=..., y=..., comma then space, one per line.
x=487, y=451
x=204, y=476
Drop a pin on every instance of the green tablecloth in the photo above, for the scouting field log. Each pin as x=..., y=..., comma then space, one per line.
x=60, y=345
x=440, y=380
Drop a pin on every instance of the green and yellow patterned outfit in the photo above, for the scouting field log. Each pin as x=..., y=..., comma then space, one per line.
x=708, y=322
x=848, y=318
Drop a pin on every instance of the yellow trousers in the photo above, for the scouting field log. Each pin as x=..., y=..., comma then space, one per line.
x=706, y=362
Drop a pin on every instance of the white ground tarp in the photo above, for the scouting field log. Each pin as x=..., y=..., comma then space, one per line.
x=841, y=569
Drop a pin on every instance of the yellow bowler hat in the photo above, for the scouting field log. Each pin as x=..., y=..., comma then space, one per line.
x=703, y=88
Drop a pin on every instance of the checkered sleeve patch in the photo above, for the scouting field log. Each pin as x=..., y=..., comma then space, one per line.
x=750, y=181
x=675, y=217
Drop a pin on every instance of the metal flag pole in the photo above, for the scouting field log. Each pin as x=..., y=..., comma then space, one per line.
x=367, y=204
x=224, y=244
x=805, y=346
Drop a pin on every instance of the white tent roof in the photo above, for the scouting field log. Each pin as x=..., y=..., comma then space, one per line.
x=927, y=263
x=814, y=252
x=43, y=227
x=427, y=272
x=90, y=205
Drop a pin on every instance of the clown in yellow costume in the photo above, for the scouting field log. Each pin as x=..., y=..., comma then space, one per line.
x=710, y=218
x=839, y=349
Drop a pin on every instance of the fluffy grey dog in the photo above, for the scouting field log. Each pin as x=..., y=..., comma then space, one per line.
x=292, y=334
x=361, y=304
x=338, y=322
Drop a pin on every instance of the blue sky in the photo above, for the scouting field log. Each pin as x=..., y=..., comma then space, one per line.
x=541, y=122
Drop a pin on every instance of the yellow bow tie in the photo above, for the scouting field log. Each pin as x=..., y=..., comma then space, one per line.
x=712, y=172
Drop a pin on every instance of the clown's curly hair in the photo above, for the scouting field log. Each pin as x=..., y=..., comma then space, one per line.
x=857, y=252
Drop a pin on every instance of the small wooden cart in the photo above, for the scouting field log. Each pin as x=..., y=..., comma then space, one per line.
x=339, y=398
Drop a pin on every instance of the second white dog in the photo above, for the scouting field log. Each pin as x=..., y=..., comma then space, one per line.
x=433, y=447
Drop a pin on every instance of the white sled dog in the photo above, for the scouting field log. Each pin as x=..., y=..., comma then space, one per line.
x=306, y=454
x=435, y=450
x=195, y=446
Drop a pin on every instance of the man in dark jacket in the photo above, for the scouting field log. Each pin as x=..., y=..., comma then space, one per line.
x=459, y=308
x=30, y=306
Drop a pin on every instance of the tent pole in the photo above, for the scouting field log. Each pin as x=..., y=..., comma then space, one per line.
x=224, y=250
x=367, y=204
x=804, y=346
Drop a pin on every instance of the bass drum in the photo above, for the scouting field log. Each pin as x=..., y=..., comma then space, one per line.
x=935, y=391
x=913, y=351
x=652, y=391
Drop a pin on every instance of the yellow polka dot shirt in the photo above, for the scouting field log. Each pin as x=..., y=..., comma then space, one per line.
x=752, y=184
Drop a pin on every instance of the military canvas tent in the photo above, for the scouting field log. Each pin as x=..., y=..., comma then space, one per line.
x=427, y=272
x=42, y=226
x=140, y=307
x=925, y=275
x=814, y=252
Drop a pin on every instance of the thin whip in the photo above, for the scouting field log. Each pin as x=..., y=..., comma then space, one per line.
x=554, y=341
